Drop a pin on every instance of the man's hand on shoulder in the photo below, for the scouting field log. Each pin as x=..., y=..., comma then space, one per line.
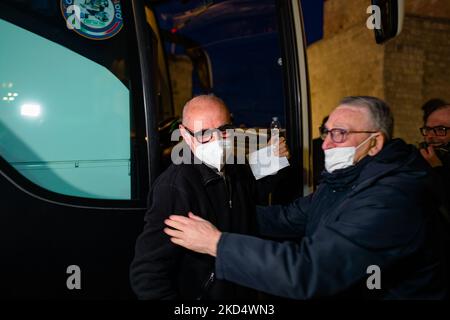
x=193, y=233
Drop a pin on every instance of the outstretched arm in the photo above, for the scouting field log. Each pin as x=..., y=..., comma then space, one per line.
x=287, y=221
x=200, y=235
x=330, y=261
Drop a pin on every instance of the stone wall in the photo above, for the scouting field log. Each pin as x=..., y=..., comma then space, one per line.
x=346, y=64
x=416, y=69
x=406, y=71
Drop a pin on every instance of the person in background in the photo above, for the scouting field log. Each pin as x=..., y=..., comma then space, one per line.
x=436, y=151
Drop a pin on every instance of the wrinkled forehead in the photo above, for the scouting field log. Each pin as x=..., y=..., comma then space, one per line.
x=349, y=117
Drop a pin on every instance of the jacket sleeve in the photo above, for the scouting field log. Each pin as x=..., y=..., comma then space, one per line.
x=152, y=272
x=268, y=184
x=284, y=221
x=376, y=228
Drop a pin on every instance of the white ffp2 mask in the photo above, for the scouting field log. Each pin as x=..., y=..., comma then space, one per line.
x=341, y=157
x=214, y=153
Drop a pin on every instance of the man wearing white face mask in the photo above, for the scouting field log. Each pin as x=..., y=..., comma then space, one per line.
x=365, y=233
x=223, y=193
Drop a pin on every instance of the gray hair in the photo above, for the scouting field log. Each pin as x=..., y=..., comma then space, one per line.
x=380, y=112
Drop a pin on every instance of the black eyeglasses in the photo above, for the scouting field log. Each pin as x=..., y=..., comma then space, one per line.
x=338, y=135
x=440, y=131
x=204, y=136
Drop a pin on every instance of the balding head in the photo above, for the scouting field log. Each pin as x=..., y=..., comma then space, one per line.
x=205, y=112
x=202, y=113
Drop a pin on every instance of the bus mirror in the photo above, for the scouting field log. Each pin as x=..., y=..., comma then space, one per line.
x=387, y=17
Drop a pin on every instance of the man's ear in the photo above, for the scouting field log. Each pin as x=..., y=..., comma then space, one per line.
x=376, y=144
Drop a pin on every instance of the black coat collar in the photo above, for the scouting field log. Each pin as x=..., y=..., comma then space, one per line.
x=207, y=173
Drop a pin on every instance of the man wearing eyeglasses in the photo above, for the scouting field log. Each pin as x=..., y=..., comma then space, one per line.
x=365, y=232
x=436, y=133
x=223, y=192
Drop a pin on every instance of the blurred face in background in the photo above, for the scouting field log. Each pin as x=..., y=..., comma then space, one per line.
x=438, y=127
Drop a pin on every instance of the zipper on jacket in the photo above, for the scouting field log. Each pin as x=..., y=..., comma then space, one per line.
x=207, y=285
x=228, y=190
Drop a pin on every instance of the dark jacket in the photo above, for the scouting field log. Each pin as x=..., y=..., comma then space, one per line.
x=318, y=160
x=440, y=190
x=441, y=186
x=162, y=270
x=374, y=213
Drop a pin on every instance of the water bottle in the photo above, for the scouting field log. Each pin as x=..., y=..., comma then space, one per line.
x=275, y=124
x=275, y=130
x=275, y=127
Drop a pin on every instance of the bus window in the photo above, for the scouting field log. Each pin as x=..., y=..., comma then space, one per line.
x=229, y=48
x=65, y=102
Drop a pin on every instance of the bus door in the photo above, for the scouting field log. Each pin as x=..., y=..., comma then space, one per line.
x=78, y=145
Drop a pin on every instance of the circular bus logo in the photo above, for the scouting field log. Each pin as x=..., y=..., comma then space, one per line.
x=93, y=19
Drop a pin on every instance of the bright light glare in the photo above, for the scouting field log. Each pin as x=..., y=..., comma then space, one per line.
x=30, y=110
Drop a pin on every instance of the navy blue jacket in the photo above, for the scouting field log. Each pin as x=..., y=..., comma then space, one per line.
x=374, y=213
